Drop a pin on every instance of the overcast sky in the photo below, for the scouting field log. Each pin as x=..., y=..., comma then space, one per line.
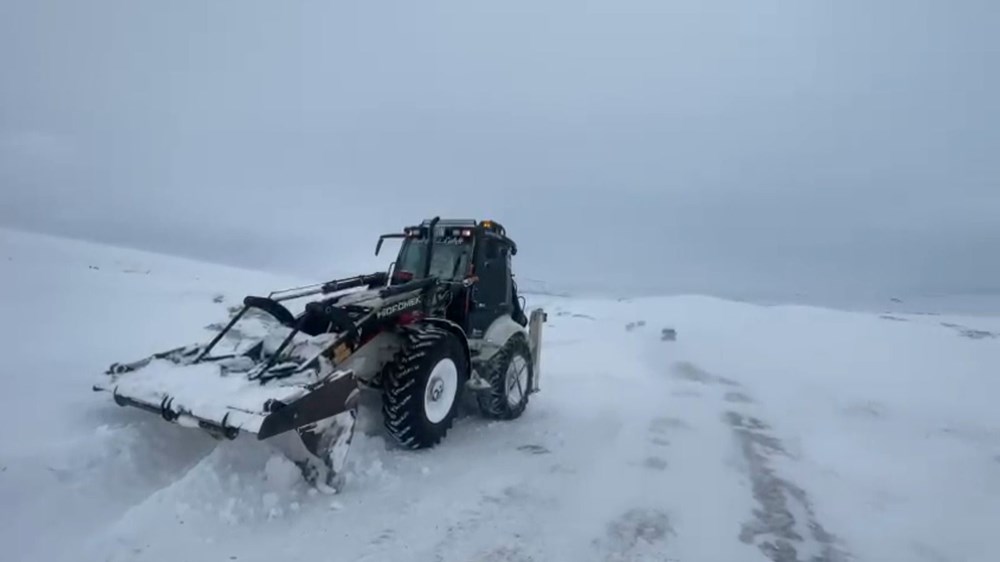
x=726, y=147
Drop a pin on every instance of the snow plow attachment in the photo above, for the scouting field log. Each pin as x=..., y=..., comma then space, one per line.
x=282, y=378
x=311, y=424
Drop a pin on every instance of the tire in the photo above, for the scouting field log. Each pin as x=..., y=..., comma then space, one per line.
x=510, y=374
x=422, y=386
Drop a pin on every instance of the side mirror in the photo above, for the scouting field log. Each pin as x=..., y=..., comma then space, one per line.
x=381, y=239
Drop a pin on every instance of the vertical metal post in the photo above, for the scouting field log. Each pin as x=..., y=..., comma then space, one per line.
x=538, y=317
x=430, y=247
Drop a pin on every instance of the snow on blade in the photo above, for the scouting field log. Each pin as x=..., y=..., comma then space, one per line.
x=201, y=391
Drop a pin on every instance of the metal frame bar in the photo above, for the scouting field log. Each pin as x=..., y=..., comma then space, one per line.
x=293, y=293
x=360, y=322
x=218, y=337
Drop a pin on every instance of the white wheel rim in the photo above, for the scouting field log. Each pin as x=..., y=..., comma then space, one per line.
x=516, y=380
x=439, y=394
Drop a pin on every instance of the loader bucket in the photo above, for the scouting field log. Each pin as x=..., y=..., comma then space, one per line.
x=281, y=386
x=312, y=425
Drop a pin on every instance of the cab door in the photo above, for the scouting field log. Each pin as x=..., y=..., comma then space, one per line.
x=491, y=295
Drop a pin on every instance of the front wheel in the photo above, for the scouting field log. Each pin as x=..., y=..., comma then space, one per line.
x=510, y=374
x=422, y=386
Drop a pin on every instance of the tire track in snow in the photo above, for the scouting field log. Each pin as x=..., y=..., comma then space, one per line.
x=779, y=520
x=783, y=525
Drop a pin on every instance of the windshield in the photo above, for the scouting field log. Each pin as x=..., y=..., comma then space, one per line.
x=450, y=260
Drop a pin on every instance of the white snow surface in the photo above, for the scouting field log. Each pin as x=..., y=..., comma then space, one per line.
x=762, y=433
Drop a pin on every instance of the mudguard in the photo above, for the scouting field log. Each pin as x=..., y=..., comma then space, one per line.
x=497, y=335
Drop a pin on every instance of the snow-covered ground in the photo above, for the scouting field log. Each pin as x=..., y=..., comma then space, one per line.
x=762, y=433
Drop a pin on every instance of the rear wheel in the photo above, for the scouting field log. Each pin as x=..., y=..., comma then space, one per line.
x=422, y=386
x=510, y=374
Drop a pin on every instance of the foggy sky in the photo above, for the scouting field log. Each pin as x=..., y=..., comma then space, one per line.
x=700, y=146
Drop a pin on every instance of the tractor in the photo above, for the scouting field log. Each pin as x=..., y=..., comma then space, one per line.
x=442, y=326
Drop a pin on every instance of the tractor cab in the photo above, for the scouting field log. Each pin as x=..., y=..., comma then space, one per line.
x=447, y=255
x=473, y=256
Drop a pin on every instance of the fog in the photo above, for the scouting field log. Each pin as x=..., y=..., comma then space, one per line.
x=732, y=148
